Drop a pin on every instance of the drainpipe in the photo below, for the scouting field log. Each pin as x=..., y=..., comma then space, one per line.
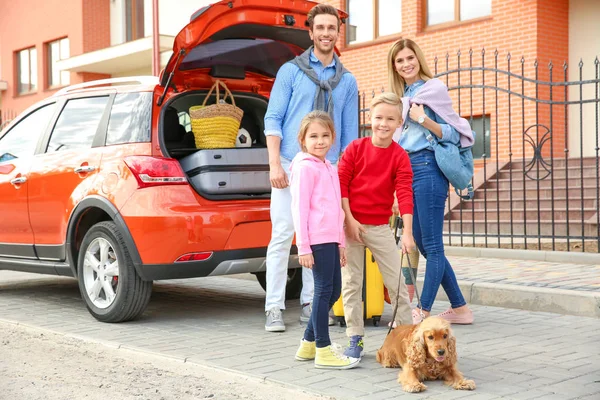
x=155, y=40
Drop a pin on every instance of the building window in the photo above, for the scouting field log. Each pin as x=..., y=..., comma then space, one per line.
x=372, y=19
x=452, y=11
x=27, y=71
x=481, y=126
x=134, y=17
x=58, y=50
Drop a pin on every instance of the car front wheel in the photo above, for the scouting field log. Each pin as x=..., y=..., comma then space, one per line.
x=108, y=281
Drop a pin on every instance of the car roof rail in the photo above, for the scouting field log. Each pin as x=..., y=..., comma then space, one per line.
x=124, y=81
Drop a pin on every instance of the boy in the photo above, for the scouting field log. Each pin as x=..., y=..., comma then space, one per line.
x=371, y=170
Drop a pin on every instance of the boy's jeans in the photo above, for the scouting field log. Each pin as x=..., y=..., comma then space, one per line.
x=430, y=188
x=278, y=252
x=328, y=282
x=380, y=240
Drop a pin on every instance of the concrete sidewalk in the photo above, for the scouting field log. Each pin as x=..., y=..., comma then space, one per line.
x=558, y=287
x=219, y=321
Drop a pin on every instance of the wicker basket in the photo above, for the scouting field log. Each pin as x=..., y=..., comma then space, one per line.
x=216, y=126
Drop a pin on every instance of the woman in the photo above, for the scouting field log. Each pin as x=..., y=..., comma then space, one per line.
x=408, y=75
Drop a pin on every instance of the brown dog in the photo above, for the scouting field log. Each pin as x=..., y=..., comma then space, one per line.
x=426, y=351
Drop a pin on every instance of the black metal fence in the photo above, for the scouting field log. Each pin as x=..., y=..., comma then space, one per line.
x=537, y=150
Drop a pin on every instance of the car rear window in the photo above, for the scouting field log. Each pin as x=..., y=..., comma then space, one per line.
x=130, y=118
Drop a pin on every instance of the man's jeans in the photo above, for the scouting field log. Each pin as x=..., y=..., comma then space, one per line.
x=328, y=285
x=430, y=188
x=278, y=252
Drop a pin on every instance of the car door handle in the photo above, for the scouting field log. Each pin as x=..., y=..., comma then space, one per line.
x=19, y=180
x=84, y=169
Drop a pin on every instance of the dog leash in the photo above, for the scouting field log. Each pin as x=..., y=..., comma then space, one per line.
x=412, y=278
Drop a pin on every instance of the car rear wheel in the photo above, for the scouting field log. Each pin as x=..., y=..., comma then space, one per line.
x=108, y=281
x=293, y=286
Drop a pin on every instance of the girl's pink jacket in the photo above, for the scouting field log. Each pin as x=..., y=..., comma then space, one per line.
x=316, y=203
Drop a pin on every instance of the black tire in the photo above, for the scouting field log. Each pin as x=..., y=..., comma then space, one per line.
x=132, y=294
x=293, y=286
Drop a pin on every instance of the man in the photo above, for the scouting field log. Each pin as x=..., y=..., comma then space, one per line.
x=314, y=80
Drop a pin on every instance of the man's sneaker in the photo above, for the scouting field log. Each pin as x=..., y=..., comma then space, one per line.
x=328, y=359
x=307, y=310
x=355, y=347
x=306, y=351
x=274, y=320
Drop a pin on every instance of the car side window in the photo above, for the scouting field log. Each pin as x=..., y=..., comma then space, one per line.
x=21, y=140
x=130, y=118
x=77, y=124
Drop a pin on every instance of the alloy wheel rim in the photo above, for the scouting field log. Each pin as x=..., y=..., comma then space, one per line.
x=101, y=273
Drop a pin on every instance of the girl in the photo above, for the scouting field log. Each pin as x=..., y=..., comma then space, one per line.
x=318, y=222
x=409, y=75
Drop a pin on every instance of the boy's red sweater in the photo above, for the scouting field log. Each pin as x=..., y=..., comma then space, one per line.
x=368, y=177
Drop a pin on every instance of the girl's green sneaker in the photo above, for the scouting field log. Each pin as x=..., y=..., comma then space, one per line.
x=329, y=359
x=306, y=351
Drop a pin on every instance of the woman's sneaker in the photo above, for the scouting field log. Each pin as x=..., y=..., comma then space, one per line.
x=453, y=317
x=306, y=351
x=326, y=358
x=355, y=347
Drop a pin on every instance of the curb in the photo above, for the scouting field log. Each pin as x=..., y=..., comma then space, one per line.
x=530, y=298
x=530, y=255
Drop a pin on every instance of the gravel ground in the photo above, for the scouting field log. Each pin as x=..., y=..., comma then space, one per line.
x=37, y=364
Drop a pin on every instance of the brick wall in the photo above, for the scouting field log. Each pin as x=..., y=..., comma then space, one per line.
x=533, y=29
x=33, y=23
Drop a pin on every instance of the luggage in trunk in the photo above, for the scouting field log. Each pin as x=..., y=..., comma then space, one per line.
x=228, y=171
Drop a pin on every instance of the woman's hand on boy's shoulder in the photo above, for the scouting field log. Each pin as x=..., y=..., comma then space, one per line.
x=306, y=260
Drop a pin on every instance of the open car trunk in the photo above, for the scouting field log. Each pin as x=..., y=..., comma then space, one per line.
x=244, y=43
x=235, y=173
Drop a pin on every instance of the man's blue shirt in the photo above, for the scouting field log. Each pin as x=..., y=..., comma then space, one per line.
x=292, y=97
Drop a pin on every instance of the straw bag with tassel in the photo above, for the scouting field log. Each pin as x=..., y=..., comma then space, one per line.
x=216, y=126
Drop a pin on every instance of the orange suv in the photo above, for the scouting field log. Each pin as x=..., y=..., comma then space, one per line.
x=102, y=181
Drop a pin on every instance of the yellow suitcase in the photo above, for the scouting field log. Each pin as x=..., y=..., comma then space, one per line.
x=372, y=293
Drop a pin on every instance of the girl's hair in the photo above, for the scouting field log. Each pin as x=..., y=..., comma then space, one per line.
x=318, y=116
x=395, y=81
x=388, y=98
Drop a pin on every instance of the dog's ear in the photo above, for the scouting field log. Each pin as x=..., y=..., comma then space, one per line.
x=452, y=357
x=416, y=353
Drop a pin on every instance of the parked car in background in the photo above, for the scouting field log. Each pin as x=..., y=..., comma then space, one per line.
x=91, y=182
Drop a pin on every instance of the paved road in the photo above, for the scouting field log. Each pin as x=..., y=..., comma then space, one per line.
x=218, y=321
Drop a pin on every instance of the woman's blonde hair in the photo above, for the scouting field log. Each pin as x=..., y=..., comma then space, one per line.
x=318, y=116
x=387, y=98
x=395, y=81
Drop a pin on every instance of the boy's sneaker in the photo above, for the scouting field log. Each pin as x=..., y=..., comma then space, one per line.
x=307, y=310
x=306, y=351
x=355, y=347
x=274, y=320
x=326, y=358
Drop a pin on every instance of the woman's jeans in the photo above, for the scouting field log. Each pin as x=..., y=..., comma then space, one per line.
x=328, y=285
x=430, y=188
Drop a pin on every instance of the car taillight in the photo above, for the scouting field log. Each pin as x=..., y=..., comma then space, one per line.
x=156, y=171
x=195, y=257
